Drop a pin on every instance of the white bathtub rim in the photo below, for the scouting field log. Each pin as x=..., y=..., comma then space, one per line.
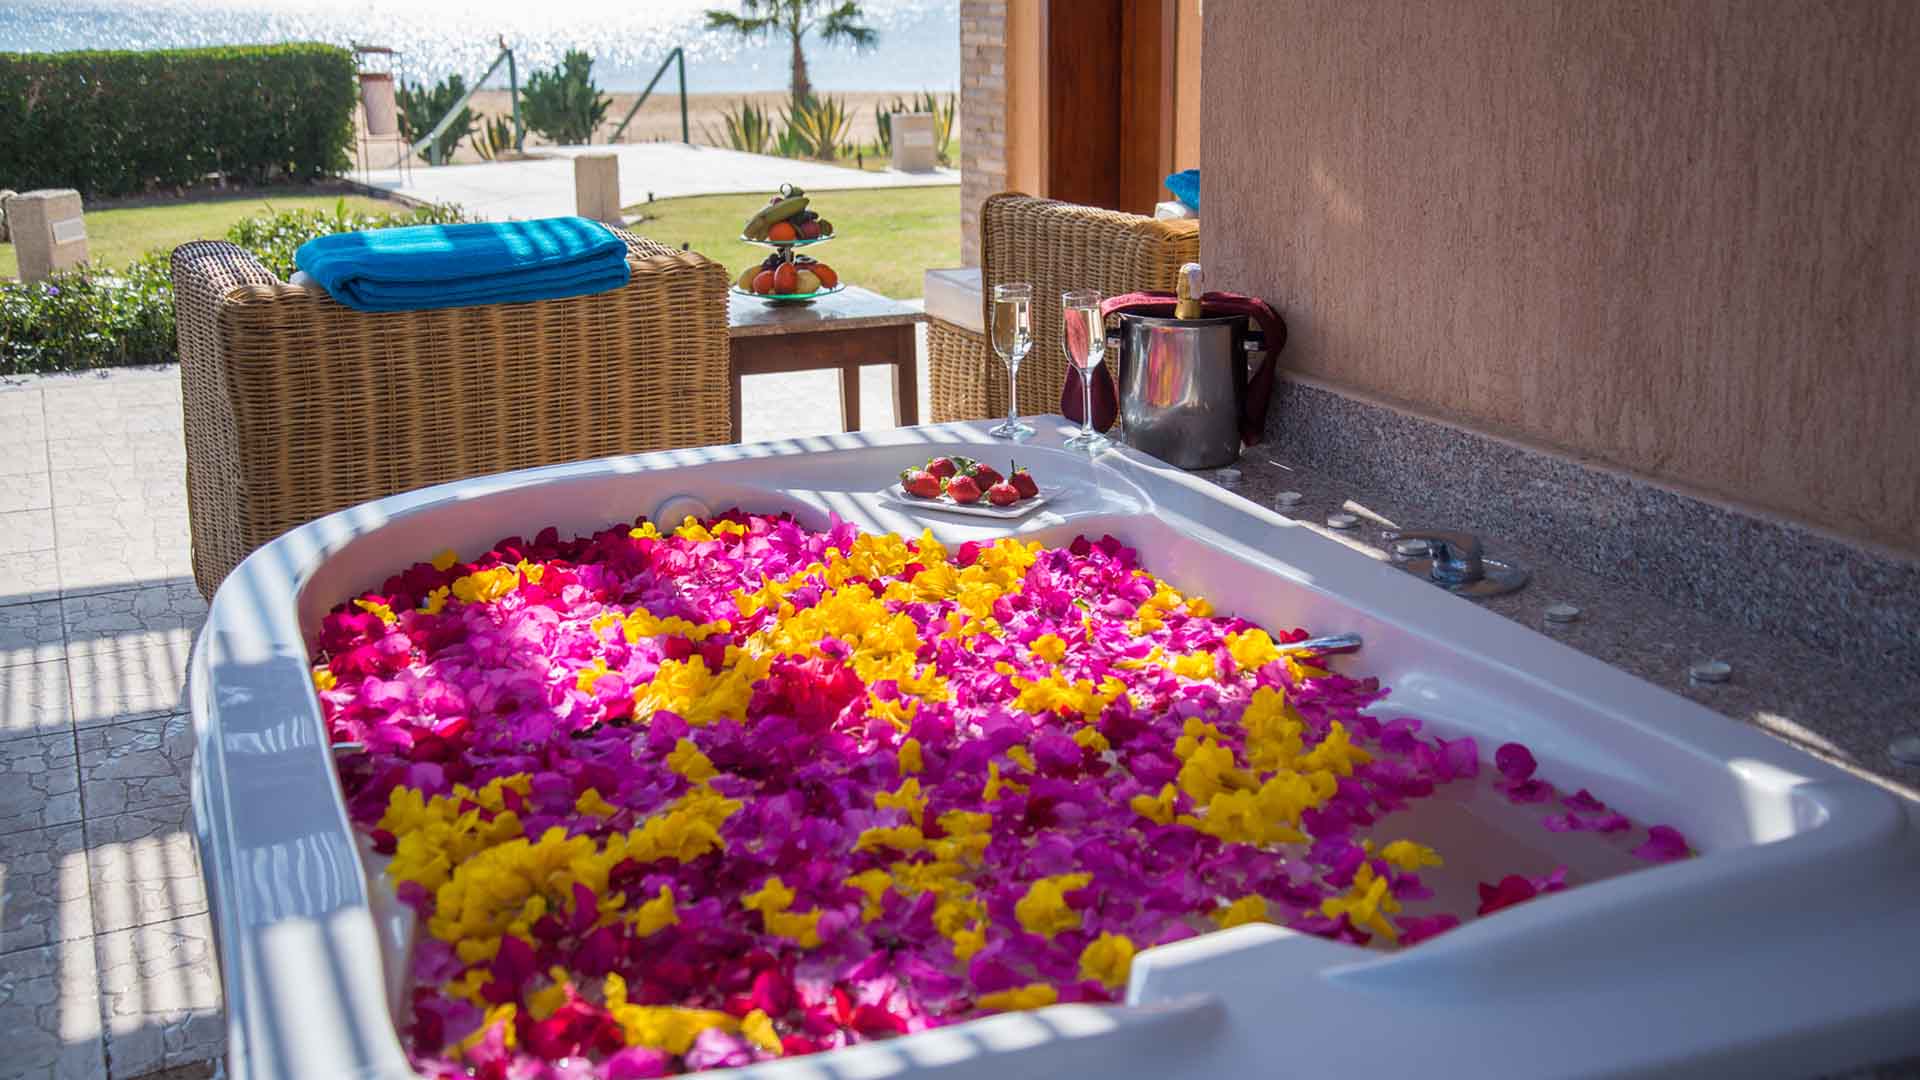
x=1860, y=819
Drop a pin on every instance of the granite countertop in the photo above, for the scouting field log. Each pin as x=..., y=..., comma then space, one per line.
x=1841, y=711
x=850, y=309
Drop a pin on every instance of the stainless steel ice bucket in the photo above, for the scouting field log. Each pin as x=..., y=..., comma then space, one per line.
x=1182, y=385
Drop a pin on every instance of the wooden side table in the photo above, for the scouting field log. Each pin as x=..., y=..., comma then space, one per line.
x=846, y=331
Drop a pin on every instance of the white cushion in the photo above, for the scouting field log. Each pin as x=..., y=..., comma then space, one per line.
x=954, y=296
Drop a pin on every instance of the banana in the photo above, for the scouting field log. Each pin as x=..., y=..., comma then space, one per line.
x=758, y=224
x=785, y=208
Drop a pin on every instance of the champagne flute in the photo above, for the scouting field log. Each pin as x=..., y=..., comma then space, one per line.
x=1085, y=341
x=1012, y=339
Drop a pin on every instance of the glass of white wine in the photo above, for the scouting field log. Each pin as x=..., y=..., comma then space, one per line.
x=1012, y=339
x=1085, y=339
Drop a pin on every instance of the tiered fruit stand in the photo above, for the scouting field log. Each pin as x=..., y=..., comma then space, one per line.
x=785, y=254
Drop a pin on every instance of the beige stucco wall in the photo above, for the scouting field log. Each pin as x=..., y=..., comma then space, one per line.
x=1679, y=236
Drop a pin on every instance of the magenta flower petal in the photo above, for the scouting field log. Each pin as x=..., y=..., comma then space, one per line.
x=1583, y=802
x=1514, y=761
x=1417, y=928
x=823, y=788
x=1664, y=844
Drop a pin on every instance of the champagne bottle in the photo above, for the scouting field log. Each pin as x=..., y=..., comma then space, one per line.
x=1186, y=291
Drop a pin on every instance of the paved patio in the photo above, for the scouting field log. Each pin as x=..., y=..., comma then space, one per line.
x=106, y=953
x=544, y=187
x=107, y=965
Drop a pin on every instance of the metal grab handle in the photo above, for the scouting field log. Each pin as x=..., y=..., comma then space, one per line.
x=1332, y=643
x=1456, y=555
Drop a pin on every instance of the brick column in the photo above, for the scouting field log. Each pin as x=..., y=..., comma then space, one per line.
x=983, y=114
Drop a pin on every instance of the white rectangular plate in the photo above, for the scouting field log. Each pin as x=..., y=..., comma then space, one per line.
x=895, y=494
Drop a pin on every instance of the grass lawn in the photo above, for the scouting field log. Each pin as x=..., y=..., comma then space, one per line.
x=117, y=237
x=883, y=240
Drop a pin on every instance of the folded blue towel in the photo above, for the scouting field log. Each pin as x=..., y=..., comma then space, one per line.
x=1185, y=186
x=441, y=266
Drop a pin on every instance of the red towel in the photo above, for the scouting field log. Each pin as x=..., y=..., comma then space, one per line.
x=1253, y=412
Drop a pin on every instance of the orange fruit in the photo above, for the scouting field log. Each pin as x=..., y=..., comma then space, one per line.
x=782, y=230
x=785, y=278
x=828, y=279
x=763, y=282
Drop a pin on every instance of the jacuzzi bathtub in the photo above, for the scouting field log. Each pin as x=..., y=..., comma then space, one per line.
x=1792, y=946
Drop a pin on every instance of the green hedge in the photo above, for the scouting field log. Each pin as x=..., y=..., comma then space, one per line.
x=89, y=319
x=114, y=123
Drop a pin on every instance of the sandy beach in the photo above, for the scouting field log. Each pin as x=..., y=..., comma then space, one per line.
x=659, y=118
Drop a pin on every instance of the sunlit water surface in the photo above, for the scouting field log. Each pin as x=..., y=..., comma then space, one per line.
x=919, y=39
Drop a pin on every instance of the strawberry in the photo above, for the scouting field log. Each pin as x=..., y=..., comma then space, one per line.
x=1003, y=494
x=921, y=484
x=964, y=489
x=944, y=468
x=1022, y=481
x=984, y=474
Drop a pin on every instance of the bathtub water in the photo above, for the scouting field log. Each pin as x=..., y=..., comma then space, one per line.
x=1787, y=948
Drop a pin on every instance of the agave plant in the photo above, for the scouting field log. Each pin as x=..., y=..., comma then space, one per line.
x=789, y=144
x=883, y=124
x=495, y=137
x=745, y=126
x=819, y=125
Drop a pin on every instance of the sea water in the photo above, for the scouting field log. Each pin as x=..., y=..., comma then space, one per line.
x=919, y=46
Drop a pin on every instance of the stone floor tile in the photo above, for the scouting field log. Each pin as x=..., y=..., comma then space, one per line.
x=34, y=700
x=119, y=389
x=23, y=459
x=145, y=679
x=160, y=995
x=135, y=520
x=143, y=867
x=24, y=432
x=141, y=451
x=32, y=576
x=113, y=564
x=18, y=402
x=50, y=1013
x=115, y=545
x=26, y=530
x=30, y=633
x=43, y=888
x=113, y=419
x=135, y=765
x=193, y=1070
x=24, y=491
x=23, y=435
x=39, y=782
x=161, y=484
x=156, y=614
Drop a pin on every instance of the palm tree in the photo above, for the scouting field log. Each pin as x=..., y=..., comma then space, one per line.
x=796, y=18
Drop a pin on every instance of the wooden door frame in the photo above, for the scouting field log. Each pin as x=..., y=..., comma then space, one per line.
x=1142, y=59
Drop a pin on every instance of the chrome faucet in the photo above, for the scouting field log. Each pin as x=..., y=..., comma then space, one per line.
x=1457, y=563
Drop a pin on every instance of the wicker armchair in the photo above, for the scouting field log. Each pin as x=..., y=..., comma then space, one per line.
x=1056, y=246
x=297, y=406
